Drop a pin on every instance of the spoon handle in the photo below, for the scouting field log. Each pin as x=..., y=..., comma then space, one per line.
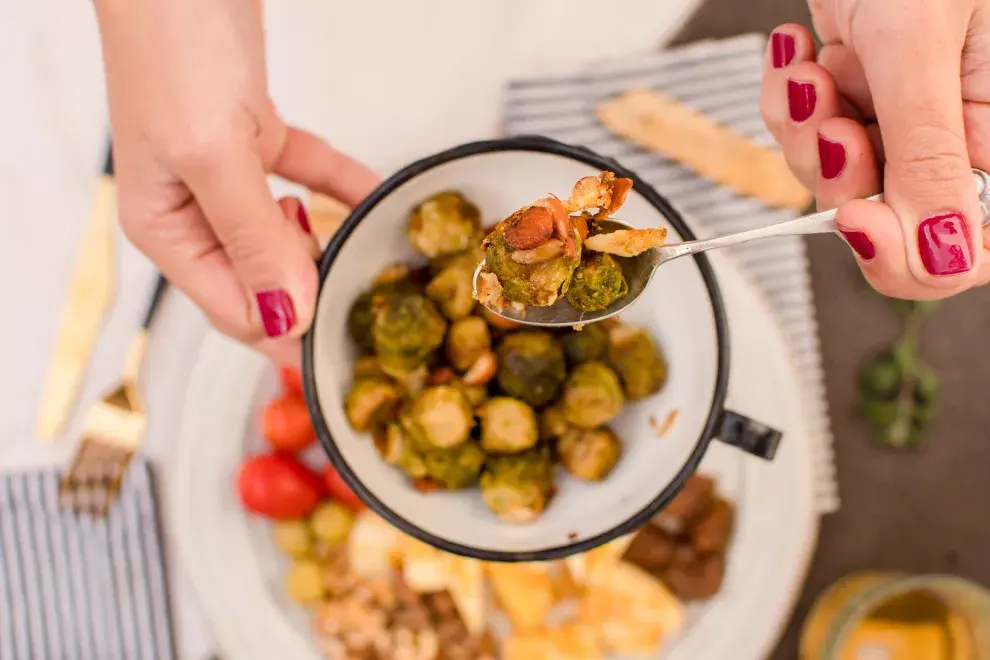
x=816, y=223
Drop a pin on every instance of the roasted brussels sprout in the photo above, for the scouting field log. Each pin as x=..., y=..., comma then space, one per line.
x=553, y=424
x=517, y=487
x=444, y=224
x=371, y=402
x=508, y=426
x=638, y=360
x=467, y=341
x=367, y=366
x=360, y=317
x=407, y=329
x=359, y=322
x=304, y=582
x=294, y=538
x=455, y=468
x=592, y=396
x=440, y=417
x=531, y=366
x=589, y=454
x=597, y=283
x=331, y=523
x=453, y=287
x=539, y=280
x=401, y=452
x=476, y=394
x=587, y=344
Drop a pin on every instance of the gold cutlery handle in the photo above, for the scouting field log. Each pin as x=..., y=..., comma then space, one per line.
x=91, y=291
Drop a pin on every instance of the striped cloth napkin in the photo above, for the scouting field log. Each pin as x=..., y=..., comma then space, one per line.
x=75, y=588
x=722, y=80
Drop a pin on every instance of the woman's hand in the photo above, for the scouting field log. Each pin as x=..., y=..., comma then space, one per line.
x=194, y=136
x=897, y=100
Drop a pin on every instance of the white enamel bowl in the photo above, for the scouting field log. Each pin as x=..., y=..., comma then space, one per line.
x=682, y=309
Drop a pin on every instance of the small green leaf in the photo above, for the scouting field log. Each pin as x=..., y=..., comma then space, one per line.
x=880, y=413
x=880, y=378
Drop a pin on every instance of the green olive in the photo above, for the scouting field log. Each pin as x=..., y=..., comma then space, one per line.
x=304, y=582
x=293, y=537
x=331, y=522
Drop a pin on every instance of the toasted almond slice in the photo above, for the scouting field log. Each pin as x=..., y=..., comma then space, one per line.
x=546, y=252
x=655, y=122
x=627, y=242
x=483, y=370
x=490, y=292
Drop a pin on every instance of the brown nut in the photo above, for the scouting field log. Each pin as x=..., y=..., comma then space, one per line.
x=529, y=227
x=711, y=533
x=483, y=370
x=692, y=502
x=702, y=579
x=651, y=549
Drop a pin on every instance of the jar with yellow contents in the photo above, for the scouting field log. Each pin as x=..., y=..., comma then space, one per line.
x=891, y=616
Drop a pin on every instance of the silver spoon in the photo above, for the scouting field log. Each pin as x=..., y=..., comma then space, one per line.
x=639, y=270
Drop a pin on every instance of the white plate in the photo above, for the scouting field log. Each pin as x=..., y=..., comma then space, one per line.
x=236, y=571
x=389, y=80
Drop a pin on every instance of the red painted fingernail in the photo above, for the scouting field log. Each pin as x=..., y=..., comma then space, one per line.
x=801, y=99
x=832, y=157
x=782, y=48
x=303, y=219
x=943, y=241
x=861, y=243
x=278, y=314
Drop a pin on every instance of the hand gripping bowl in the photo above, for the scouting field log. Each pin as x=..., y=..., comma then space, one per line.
x=683, y=310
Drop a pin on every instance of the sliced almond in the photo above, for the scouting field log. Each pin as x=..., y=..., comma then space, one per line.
x=483, y=370
x=546, y=252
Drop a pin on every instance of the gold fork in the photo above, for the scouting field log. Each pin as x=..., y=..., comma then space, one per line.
x=113, y=432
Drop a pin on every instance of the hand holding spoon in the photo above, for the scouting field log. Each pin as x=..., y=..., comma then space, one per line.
x=639, y=270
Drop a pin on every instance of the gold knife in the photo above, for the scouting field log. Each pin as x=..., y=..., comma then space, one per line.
x=91, y=292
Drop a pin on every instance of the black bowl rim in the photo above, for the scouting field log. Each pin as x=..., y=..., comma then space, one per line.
x=539, y=144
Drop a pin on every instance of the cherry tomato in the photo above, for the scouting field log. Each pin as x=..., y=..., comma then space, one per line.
x=278, y=486
x=286, y=424
x=340, y=491
x=292, y=381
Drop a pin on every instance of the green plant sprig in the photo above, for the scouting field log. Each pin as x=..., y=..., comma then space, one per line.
x=898, y=391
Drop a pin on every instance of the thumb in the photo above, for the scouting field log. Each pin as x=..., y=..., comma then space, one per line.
x=913, y=69
x=270, y=257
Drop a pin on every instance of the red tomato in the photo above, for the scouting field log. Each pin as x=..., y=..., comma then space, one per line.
x=279, y=486
x=286, y=424
x=292, y=381
x=340, y=491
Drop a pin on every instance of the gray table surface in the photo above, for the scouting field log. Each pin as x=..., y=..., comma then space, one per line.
x=918, y=512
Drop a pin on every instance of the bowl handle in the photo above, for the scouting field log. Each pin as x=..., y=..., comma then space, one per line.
x=749, y=435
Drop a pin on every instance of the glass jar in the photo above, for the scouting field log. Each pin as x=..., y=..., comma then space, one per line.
x=892, y=616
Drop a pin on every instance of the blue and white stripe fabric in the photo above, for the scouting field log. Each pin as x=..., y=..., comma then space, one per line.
x=722, y=80
x=75, y=588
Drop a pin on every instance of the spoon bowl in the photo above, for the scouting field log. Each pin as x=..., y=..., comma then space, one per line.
x=639, y=269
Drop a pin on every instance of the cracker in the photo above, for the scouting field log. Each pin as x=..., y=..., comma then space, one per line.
x=716, y=152
x=326, y=215
x=524, y=592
